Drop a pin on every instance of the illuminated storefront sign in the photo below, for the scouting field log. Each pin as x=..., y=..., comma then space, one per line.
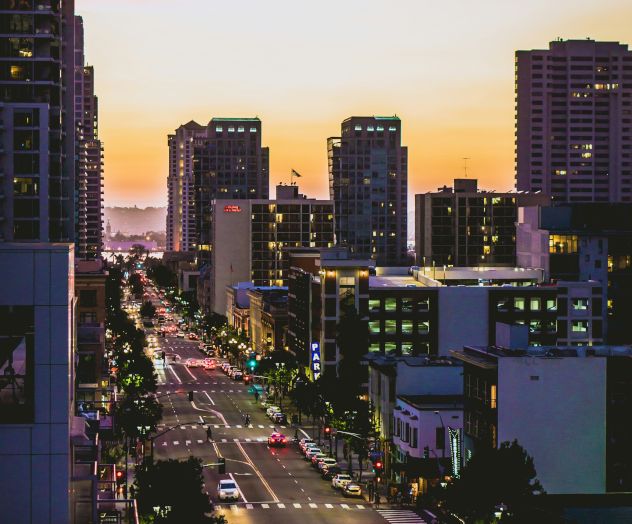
x=316, y=369
x=232, y=209
x=455, y=450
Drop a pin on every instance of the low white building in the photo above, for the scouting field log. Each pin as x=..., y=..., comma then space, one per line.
x=37, y=387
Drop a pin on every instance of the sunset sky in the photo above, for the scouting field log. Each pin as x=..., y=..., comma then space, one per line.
x=445, y=68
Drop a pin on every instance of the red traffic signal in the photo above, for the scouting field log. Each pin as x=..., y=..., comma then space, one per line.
x=378, y=465
x=327, y=430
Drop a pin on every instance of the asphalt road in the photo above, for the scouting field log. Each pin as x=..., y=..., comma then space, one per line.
x=275, y=483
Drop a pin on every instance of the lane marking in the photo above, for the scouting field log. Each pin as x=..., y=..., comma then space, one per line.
x=312, y=505
x=241, y=493
x=263, y=481
x=265, y=506
x=281, y=506
x=209, y=398
x=297, y=505
x=329, y=506
x=175, y=374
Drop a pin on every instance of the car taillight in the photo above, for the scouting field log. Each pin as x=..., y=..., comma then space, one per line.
x=284, y=440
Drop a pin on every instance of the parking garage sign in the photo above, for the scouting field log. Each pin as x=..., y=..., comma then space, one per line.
x=315, y=360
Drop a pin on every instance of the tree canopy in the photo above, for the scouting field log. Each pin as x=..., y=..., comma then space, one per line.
x=493, y=476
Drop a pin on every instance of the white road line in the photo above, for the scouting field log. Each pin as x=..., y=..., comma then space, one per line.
x=164, y=443
x=176, y=443
x=240, y=492
x=224, y=440
x=360, y=506
x=235, y=440
x=281, y=506
x=257, y=472
x=297, y=505
x=200, y=441
x=265, y=506
x=329, y=506
x=187, y=442
x=248, y=440
x=238, y=426
x=312, y=505
x=249, y=506
x=216, y=426
x=344, y=506
x=261, y=426
x=175, y=374
x=209, y=398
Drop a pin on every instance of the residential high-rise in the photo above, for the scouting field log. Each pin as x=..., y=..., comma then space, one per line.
x=223, y=159
x=464, y=226
x=37, y=146
x=89, y=181
x=368, y=181
x=181, y=228
x=573, y=121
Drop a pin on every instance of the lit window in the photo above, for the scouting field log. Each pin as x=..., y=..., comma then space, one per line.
x=407, y=348
x=380, y=128
x=390, y=304
x=231, y=129
x=253, y=129
x=374, y=326
x=374, y=347
x=580, y=304
x=219, y=129
x=423, y=327
x=580, y=326
x=390, y=348
x=562, y=244
x=390, y=327
x=551, y=304
x=392, y=128
x=407, y=327
x=535, y=304
x=519, y=303
x=240, y=129
x=358, y=128
x=370, y=128
x=374, y=305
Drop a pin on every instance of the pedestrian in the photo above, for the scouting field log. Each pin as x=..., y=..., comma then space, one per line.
x=296, y=434
x=377, y=500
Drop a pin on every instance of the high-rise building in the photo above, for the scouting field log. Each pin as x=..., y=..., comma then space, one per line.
x=181, y=228
x=368, y=181
x=250, y=241
x=573, y=122
x=89, y=149
x=37, y=146
x=223, y=159
x=464, y=226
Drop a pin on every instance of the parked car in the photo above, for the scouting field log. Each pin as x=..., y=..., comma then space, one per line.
x=193, y=336
x=180, y=334
x=227, y=490
x=341, y=480
x=238, y=375
x=277, y=439
x=316, y=457
x=330, y=472
x=351, y=489
x=325, y=463
x=311, y=451
x=304, y=443
x=279, y=418
x=272, y=410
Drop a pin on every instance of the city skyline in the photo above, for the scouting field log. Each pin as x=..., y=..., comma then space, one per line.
x=452, y=103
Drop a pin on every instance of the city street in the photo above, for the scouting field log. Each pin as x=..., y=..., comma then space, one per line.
x=275, y=483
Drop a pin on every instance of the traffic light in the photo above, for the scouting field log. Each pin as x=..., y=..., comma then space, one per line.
x=221, y=469
x=426, y=452
x=190, y=396
x=252, y=364
x=327, y=431
x=120, y=476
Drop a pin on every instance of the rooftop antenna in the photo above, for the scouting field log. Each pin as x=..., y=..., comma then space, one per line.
x=465, y=159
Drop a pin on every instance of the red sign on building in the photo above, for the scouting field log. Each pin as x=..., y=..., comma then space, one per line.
x=232, y=209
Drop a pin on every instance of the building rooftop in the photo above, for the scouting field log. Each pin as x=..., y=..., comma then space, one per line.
x=487, y=356
x=246, y=119
x=432, y=402
x=394, y=281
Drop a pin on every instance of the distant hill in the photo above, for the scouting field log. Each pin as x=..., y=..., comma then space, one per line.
x=136, y=220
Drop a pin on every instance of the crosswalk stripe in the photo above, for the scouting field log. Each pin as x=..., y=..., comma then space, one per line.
x=235, y=440
x=234, y=507
x=329, y=506
x=249, y=506
x=238, y=426
x=200, y=441
x=164, y=443
x=224, y=440
x=261, y=426
x=281, y=506
x=297, y=505
x=216, y=426
x=175, y=442
x=187, y=442
x=400, y=516
x=344, y=506
x=248, y=440
x=265, y=506
x=312, y=505
x=359, y=506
